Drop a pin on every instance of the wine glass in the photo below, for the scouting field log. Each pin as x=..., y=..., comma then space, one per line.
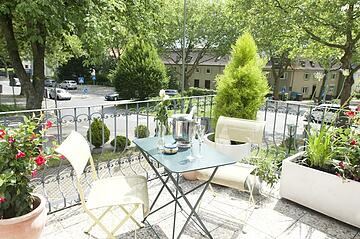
x=200, y=132
x=192, y=139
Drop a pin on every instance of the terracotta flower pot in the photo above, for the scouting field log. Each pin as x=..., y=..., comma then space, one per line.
x=28, y=226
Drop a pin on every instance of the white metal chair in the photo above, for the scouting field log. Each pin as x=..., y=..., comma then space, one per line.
x=237, y=175
x=108, y=193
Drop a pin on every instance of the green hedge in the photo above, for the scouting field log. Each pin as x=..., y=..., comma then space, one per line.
x=120, y=142
x=194, y=91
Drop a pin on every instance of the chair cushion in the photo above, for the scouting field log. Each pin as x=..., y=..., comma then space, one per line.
x=119, y=190
x=233, y=176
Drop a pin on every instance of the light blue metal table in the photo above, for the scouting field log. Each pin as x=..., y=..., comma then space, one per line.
x=177, y=164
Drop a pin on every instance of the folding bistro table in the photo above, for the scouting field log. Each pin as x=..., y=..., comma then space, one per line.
x=174, y=165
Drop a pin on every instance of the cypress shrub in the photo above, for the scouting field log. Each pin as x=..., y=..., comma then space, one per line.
x=140, y=72
x=241, y=89
x=141, y=131
x=96, y=133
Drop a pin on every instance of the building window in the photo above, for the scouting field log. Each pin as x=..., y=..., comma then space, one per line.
x=26, y=66
x=284, y=76
x=207, y=84
x=331, y=90
x=312, y=64
x=305, y=90
x=197, y=70
x=333, y=76
x=306, y=76
x=196, y=83
x=208, y=70
x=302, y=63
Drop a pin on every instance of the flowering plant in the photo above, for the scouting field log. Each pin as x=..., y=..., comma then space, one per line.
x=336, y=149
x=162, y=114
x=21, y=156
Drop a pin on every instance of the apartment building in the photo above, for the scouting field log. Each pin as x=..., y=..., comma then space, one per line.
x=299, y=77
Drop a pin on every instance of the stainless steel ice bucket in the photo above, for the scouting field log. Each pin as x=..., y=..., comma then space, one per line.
x=183, y=129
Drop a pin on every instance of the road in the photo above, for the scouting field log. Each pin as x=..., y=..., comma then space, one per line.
x=94, y=103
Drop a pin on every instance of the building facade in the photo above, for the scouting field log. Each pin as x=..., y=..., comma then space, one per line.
x=300, y=77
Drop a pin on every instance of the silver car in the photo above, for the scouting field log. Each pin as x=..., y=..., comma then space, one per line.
x=60, y=94
x=68, y=84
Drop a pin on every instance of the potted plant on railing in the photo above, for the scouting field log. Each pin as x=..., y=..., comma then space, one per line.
x=22, y=213
x=326, y=176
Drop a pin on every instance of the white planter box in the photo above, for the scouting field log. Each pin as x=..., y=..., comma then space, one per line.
x=320, y=191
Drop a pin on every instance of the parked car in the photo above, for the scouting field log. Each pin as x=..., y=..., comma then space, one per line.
x=112, y=96
x=49, y=82
x=15, y=82
x=324, y=113
x=60, y=94
x=68, y=84
x=171, y=92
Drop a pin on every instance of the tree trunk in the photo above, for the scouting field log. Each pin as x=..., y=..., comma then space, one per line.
x=276, y=76
x=322, y=88
x=6, y=25
x=349, y=80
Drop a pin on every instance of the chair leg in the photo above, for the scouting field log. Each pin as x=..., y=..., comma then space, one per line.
x=131, y=217
x=98, y=219
x=128, y=216
x=97, y=222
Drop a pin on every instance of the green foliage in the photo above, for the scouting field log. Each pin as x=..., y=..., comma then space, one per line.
x=96, y=133
x=7, y=108
x=21, y=155
x=319, y=147
x=140, y=72
x=72, y=69
x=194, y=91
x=242, y=88
x=120, y=142
x=141, y=131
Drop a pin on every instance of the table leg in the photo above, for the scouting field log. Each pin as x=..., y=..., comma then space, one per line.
x=193, y=212
x=176, y=203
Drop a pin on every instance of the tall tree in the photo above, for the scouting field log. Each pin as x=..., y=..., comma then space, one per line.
x=334, y=24
x=274, y=36
x=210, y=29
x=34, y=29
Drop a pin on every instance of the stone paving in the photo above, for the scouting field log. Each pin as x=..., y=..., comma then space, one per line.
x=226, y=213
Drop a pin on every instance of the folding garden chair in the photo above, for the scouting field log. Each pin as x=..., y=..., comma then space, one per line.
x=108, y=193
x=237, y=175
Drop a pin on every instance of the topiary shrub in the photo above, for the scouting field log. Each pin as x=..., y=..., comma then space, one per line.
x=241, y=89
x=96, y=133
x=120, y=142
x=140, y=72
x=141, y=131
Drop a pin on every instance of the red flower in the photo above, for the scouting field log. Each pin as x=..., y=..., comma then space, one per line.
x=338, y=174
x=358, y=108
x=40, y=160
x=62, y=157
x=33, y=173
x=11, y=140
x=350, y=114
x=2, y=199
x=353, y=142
x=20, y=155
x=2, y=133
x=341, y=165
x=48, y=124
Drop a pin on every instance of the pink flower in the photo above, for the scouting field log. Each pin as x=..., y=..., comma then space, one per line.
x=338, y=174
x=358, y=108
x=62, y=157
x=355, y=178
x=20, y=154
x=33, y=173
x=350, y=114
x=48, y=124
x=2, y=133
x=353, y=142
x=2, y=199
x=40, y=160
x=11, y=140
x=341, y=165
